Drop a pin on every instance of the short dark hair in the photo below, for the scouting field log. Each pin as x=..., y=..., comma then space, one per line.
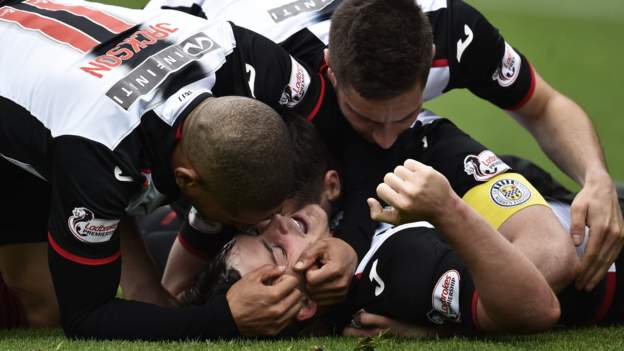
x=380, y=48
x=311, y=160
x=214, y=280
x=242, y=151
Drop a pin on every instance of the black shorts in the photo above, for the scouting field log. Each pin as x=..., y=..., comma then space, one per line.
x=24, y=218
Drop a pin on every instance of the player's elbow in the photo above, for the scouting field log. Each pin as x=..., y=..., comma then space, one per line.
x=539, y=316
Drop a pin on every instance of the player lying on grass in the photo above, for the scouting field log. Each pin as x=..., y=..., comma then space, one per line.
x=443, y=265
x=377, y=53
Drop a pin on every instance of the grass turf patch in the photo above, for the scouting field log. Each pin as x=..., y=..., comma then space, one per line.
x=607, y=338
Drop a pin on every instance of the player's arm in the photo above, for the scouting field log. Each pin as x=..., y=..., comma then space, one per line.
x=139, y=280
x=418, y=192
x=505, y=199
x=495, y=71
x=196, y=244
x=565, y=133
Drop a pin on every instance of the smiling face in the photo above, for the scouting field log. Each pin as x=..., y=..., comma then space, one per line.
x=281, y=242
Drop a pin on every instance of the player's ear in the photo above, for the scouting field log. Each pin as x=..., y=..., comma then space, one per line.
x=330, y=71
x=308, y=310
x=332, y=186
x=186, y=177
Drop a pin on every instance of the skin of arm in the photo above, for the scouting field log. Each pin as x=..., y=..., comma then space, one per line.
x=545, y=243
x=139, y=279
x=418, y=192
x=181, y=268
x=565, y=133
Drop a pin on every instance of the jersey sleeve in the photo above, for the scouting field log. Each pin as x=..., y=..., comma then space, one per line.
x=270, y=75
x=416, y=278
x=87, y=203
x=482, y=61
x=478, y=175
x=202, y=238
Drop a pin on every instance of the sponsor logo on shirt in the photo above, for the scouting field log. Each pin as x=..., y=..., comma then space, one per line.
x=509, y=69
x=509, y=192
x=445, y=298
x=297, y=86
x=153, y=71
x=294, y=8
x=86, y=228
x=484, y=165
x=128, y=48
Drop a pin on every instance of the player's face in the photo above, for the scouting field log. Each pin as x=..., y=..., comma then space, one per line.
x=380, y=121
x=282, y=241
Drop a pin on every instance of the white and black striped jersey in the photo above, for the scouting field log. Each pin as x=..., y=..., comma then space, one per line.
x=92, y=98
x=470, y=52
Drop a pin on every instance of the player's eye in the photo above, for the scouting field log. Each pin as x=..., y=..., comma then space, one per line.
x=250, y=230
x=280, y=253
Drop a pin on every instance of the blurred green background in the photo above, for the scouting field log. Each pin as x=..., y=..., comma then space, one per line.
x=575, y=45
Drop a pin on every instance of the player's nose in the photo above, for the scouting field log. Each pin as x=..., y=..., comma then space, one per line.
x=384, y=136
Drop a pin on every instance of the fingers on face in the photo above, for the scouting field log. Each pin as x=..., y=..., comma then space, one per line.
x=311, y=254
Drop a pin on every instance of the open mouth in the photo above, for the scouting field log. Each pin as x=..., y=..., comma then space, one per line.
x=301, y=223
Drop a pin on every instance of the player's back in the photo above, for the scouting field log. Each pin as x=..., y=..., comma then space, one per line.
x=93, y=70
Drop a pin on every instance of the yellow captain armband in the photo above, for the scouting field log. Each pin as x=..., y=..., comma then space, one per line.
x=502, y=196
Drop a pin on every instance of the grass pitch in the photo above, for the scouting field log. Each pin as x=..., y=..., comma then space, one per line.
x=576, y=46
x=582, y=339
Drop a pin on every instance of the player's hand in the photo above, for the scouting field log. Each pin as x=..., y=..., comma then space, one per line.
x=369, y=324
x=264, y=301
x=329, y=265
x=414, y=191
x=597, y=207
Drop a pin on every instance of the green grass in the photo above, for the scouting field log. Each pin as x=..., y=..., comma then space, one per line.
x=581, y=339
x=576, y=45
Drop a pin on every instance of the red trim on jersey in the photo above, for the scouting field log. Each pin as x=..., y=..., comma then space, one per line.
x=170, y=217
x=608, y=299
x=79, y=259
x=474, y=309
x=51, y=28
x=195, y=252
x=359, y=276
x=529, y=94
x=442, y=62
x=111, y=23
x=319, y=102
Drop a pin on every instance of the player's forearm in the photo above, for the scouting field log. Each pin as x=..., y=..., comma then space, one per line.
x=564, y=131
x=181, y=268
x=501, y=273
x=89, y=309
x=139, y=280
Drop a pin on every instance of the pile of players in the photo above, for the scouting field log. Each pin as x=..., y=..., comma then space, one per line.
x=314, y=193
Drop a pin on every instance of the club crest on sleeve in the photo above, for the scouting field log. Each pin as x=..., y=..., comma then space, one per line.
x=445, y=298
x=86, y=228
x=484, y=165
x=509, y=192
x=507, y=73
